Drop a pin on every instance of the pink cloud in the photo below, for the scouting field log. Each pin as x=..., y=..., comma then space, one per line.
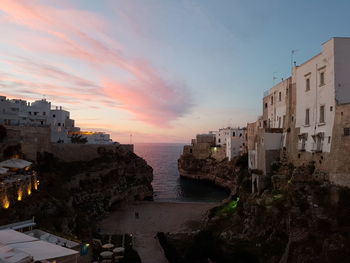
x=72, y=33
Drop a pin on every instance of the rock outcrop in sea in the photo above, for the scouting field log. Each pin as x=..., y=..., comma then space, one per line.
x=223, y=173
x=72, y=196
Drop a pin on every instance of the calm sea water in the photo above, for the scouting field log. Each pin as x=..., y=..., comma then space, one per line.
x=167, y=184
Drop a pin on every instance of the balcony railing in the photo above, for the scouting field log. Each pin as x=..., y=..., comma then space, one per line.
x=301, y=145
x=317, y=146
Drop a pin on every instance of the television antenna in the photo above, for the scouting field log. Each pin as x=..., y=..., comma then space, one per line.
x=292, y=57
x=274, y=77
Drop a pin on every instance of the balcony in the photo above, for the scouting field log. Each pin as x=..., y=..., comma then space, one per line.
x=301, y=145
x=317, y=146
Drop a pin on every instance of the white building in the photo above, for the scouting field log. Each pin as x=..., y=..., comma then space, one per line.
x=38, y=113
x=94, y=137
x=13, y=112
x=321, y=83
x=235, y=146
x=223, y=135
x=231, y=138
x=61, y=125
x=275, y=105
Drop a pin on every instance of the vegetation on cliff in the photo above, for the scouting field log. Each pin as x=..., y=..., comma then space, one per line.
x=297, y=217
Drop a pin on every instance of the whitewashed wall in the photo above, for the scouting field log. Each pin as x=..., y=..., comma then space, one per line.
x=279, y=107
x=316, y=96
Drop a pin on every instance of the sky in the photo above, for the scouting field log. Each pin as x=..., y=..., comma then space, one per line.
x=159, y=70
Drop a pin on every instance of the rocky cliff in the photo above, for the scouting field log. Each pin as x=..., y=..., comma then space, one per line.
x=73, y=195
x=223, y=173
x=298, y=217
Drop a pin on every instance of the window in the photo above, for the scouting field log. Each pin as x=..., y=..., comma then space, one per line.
x=271, y=100
x=307, y=84
x=265, y=105
x=54, y=116
x=322, y=78
x=44, y=113
x=322, y=114
x=284, y=121
x=59, y=124
x=280, y=96
x=233, y=134
x=279, y=122
x=329, y=139
x=307, y=117
x=346, y=131
x=331, y=108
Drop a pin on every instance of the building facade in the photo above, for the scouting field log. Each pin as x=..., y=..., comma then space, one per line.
x=275, y=105
x=15, y=112
x=311, y=111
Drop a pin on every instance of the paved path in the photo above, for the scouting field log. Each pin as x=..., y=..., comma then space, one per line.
x=153, y=217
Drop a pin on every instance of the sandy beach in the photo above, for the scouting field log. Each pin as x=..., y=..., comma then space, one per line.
x=153, y=217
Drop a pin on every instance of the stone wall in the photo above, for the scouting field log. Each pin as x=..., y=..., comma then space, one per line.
x=83, y=152
x=337, y=162
x=206, y=138
x=218, y=153
x=31, y=139
x=339, y=158
x=201, y=150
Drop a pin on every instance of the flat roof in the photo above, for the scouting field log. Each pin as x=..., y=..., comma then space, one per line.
x=41, y=250
x=32, y=246
x=9, y=236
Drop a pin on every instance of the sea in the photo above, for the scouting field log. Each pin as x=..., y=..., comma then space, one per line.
x=167, y=184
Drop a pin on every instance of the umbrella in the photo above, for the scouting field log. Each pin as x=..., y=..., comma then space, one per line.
x=15, y=163
x=3, y=170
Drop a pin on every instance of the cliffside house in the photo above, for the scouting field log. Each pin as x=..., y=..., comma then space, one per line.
x=312, y=110
x=40, y=113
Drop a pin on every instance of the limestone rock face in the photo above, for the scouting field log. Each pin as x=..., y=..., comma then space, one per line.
x=298, y=217
x=222, y=173
x=73, y=195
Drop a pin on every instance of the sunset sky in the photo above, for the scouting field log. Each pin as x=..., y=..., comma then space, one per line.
x=161, y=70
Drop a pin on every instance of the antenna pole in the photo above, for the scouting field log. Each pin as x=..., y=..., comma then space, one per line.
x=292, y=58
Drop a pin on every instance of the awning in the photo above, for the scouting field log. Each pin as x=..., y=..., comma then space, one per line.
x=302, y=136
x=15, y=163
x=318, y=135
